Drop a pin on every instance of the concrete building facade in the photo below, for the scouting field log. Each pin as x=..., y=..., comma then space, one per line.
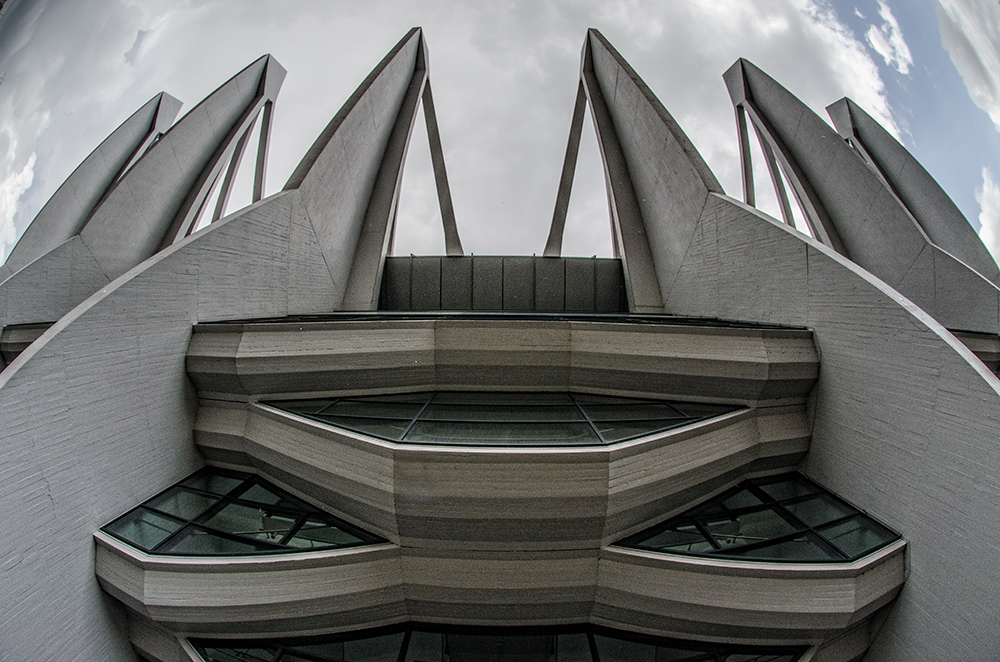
x=270, y=439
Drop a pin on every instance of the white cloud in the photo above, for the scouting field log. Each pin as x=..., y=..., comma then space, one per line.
x=988, y=197
x=11, y=190
x=887, y=40
x=970, y=32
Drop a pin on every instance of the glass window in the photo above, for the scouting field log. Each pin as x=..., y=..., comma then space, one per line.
x=425, y=643
x=182, y=503
x=785, y=518
x=487, y=418
x=144, y=528
x=254, y=517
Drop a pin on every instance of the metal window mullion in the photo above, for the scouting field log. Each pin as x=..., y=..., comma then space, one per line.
x=592, y=427
x=703, y=530
x=293, y=531
x=413, y=421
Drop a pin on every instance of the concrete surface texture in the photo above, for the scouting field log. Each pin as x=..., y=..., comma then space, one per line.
x=176, y=340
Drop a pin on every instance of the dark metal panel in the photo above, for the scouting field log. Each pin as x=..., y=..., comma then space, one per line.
x=396, y=284
x=609, y=287
x=487, y=283
x=580, y=284
x=550, y=284
x=518, y=283
x=425, y=283
x=456, y=283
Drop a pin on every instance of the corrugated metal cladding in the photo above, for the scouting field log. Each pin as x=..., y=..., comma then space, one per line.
x=539, y=284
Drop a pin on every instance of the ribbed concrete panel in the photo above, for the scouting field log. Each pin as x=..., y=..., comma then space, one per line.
x=502, y=499
x=539, y=284
x=922, y=196
x=873, y=228
x=269, y=595
x=70, y=206
x=718, y=364
x=740, y=600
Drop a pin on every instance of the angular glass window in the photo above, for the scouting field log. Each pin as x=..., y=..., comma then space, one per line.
x=502, y=419
x=223, y=513
x=427, y=643
x=780, y=518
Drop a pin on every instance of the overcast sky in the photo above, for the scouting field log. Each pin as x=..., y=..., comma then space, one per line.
x=504, y=76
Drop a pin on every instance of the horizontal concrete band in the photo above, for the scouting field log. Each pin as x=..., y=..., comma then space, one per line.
x=502, y=498
x=662, y=594
x=737, y=365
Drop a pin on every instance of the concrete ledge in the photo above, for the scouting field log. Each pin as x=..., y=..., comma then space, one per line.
x=266, y=595
x=730, y=600
x=749, y=366
x=665, y=595
x=502, y=498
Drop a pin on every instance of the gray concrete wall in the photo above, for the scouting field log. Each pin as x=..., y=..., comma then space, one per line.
x=98, y=411
x=98, y=415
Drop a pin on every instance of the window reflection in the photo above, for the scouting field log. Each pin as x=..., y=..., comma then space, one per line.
x=502, y=419
x=216, y=513
x=780, y=518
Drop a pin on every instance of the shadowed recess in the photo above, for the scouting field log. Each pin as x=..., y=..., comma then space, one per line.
x=503, y=419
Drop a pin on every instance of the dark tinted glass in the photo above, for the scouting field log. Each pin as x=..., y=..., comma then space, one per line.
x=254, y=517
x=787, y=518
x=489, y=418
x=419, y=643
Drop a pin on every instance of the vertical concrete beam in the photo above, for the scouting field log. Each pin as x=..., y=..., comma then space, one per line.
x=553, y=246
x=268, y=83
x=628, y=229
x=339, y=192
x=746, y=166
x=368, y=262
x=452, y=243
x=262, y=150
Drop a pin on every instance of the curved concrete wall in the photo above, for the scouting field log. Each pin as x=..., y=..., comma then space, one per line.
x=905, y=416
x=98, y=411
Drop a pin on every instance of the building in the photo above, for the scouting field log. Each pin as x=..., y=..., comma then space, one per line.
x=499, y=457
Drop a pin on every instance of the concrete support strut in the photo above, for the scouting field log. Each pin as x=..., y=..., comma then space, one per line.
x=553, y=246
x=914, y=187
x=627, y=226
x=452, y=243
